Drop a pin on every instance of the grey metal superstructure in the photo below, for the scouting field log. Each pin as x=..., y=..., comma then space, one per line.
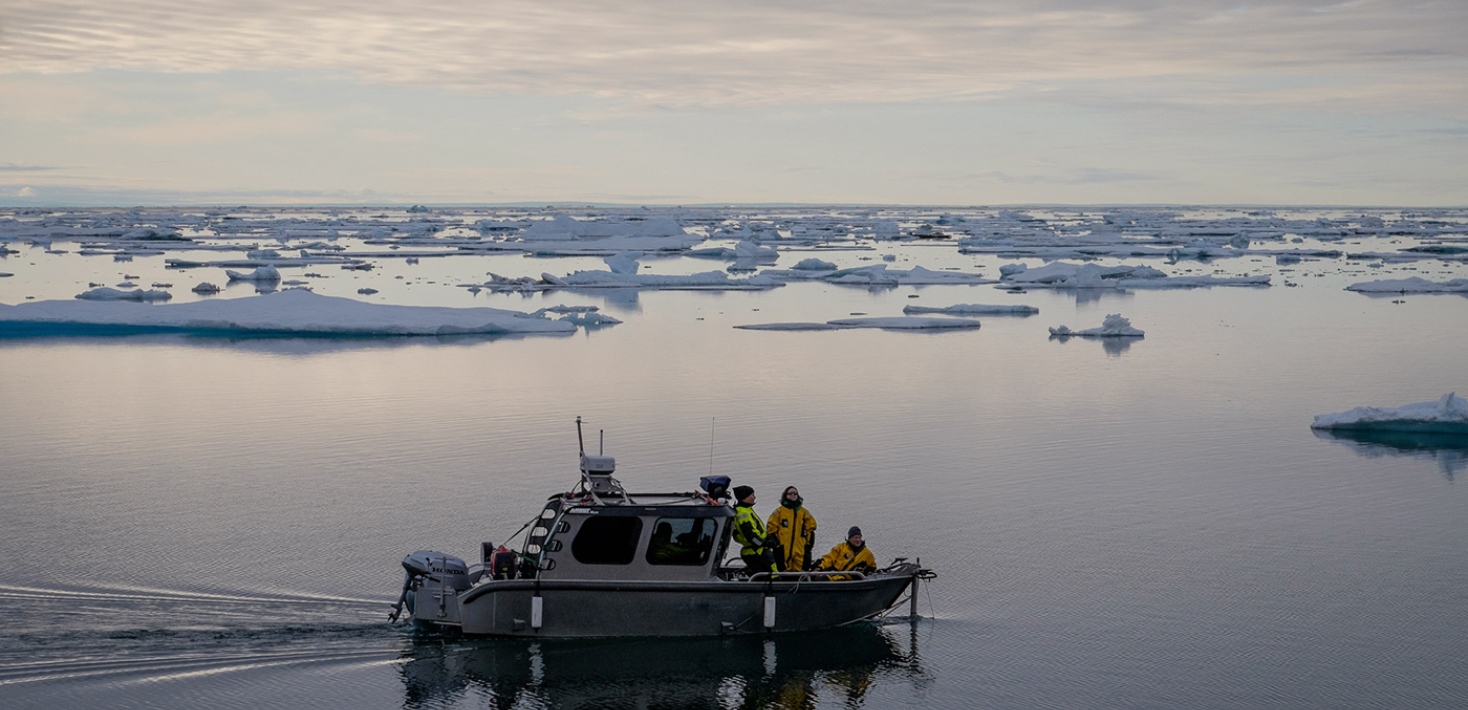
x=601, y=561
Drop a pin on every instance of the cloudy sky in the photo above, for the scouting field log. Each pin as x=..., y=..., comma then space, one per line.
x=127, y=102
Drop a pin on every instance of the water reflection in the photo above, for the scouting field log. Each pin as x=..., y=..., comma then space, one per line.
x=269, y=342
x=1113, y=346
x=1450, y=451
x=785, y=671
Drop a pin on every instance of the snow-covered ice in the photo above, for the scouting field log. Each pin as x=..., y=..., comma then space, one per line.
x=881, y=322
x=1448, y=415
x=974, y=309
x=292, y=312
x=112, y=294
x=1414, y=284
x=263, y=274
x=1113, y=326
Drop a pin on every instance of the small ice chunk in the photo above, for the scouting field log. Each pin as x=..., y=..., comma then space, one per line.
x=589, y=319
x=814, y=264
x=624, y=263
x=262, y=274
x=367, y=291
x=1113, y=326
x=205, y=287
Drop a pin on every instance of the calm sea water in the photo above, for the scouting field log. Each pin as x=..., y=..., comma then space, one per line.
x=205, y=522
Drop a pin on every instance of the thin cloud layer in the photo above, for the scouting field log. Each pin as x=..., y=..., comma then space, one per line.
x=703, y=54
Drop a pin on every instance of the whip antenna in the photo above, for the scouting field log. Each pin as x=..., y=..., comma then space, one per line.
x=711, y=446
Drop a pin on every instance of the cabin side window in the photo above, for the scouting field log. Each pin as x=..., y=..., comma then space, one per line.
x=681, y=541
x=607, y=540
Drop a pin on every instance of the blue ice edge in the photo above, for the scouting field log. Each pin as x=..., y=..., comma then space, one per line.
x=288, y=314
x=1446, y=417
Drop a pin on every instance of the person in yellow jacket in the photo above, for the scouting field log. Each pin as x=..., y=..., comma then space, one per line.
x=795, y=528
x=749, y=532
x=851, y=555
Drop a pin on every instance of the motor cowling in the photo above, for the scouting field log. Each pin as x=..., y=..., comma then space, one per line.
x=449, y=571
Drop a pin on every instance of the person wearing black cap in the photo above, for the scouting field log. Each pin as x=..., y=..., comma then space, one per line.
x=749, y=532
x=850, y=555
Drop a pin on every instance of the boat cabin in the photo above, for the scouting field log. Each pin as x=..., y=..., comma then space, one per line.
x=600, y=531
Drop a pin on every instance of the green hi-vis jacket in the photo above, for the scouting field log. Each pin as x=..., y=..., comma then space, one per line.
x=749, y=530
x=796, y=530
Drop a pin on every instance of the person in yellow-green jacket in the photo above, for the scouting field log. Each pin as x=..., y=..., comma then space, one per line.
x=749, y=532
x=795, y=528
x=849, y=556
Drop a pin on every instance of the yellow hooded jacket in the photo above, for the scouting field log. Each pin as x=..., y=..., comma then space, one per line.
x=796, y=530
x=842, y=558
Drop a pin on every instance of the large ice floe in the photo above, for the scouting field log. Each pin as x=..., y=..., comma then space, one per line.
x=1414, y=284
x=1447, y=415
x=1063, y=275
x=1113, y=326
x=622, y=272
x=104, y=293
x=289, y=312
x=876, y=275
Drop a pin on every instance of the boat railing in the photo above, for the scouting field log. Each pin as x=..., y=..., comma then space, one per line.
x=805, y=576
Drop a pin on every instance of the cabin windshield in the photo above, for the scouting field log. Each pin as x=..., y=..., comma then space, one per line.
x=681, y=541
x=607, y=541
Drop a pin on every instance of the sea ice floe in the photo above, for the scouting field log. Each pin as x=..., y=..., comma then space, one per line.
x=704, y=281
x=1447, y=415
x=1063, y=275
x=884, y=323
x=1113, y=326
x=1415, y=284
x=1192, y=282
x=112, y=294
x=205, y=287
x=263, y=274
x=974, y=309
x=289, y=312
x=814, y=264
x=879, y=275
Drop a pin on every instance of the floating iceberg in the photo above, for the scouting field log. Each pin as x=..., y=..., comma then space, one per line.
x=1448, y=415
x=290, y=312
x=974, y=309
x=1415, y=284
x=1114, y=326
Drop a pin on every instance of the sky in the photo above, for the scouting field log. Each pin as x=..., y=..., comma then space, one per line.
x=172, y=102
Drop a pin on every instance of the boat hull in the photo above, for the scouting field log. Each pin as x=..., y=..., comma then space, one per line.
x=576, y=609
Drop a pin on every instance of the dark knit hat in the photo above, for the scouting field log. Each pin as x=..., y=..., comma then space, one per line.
x=853, y=531
x=742, y=492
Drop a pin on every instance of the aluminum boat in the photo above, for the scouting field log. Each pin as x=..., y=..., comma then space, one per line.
x=599, y=560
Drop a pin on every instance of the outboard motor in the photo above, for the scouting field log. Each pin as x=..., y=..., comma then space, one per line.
x=435, y=571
